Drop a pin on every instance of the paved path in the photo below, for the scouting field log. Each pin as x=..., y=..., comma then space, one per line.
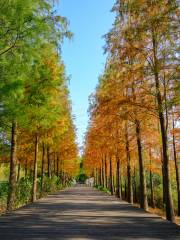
x=84, y=213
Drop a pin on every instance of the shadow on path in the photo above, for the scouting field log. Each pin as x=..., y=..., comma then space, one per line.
x=84, y=213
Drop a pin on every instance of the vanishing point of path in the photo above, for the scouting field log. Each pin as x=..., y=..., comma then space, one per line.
x=84, y=213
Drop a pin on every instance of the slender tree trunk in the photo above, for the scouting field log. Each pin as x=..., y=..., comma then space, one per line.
x=100, y=177
x=94, y=174
x=31, y=173
x=114, y=184
x=111, y=177
x=118, y=187
x=34, y=190
x=103, y=180
x=168, y=196
x=129, y=177
x=96, y=177
x=106, y=174
x=54, y=163
x=166, y=173
x=152, y=191
x=151, y=181
x=48, y=162
x=57, y=167
x=12, y=176
x=19, y=172
x=42, y=167
x=135, y=187
x=143, y=190
x=163, y=179
x=125, y=189
x=177, y=170
x=121, y=187
x=62, y=176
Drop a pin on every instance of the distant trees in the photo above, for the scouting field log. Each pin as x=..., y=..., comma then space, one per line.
x=134, y=104
x=35, y=112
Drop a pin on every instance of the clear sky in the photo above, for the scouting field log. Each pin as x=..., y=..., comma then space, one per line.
x=83, y=56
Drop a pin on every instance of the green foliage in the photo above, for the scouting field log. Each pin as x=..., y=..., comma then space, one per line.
x=23, y=191
x=4, y=172
x=101, y=188
x=26, y=27
x=52, y=184
x=33, y=90
x=4, y=188
x=81, y=178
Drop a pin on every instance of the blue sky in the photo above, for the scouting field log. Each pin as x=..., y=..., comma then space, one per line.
x=83, y=56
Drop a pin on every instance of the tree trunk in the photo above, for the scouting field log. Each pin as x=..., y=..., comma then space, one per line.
x=34, y=190
x=96, y=177
x=103, y=180
x=12, y=176
x=143, y=190
x=94, y=173
x=135, y=187
x=163, y=179
x=129, y=177
x=57, y=167
x=114, y=184
x=167, y=185
x=118, y=187
x=42, y=167
x=49, y=163
x=106, y=174
x=100, y=177
x=152, y=191
x=151, y=181
x=125, y=189
x=111, y=178
x=19, y=172
x=121, y=187
x=177, y=170
x=31, y=173
x=168, y=196
x=54, y=164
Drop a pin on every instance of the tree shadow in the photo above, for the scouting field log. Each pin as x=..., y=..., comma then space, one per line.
x=84, y=214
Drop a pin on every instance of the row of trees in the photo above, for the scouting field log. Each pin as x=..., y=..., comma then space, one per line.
x=132, y=144
x=36, y=127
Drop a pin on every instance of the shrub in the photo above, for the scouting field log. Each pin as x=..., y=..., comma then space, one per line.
x=23, y=191
x=52, y=184
x=4, y=188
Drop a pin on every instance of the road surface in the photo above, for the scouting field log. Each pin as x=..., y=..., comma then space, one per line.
x=84, y=213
